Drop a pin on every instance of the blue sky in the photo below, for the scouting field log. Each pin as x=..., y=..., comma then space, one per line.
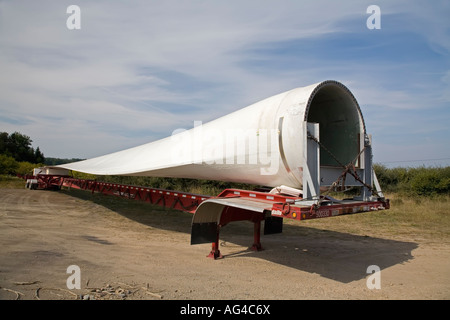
x=138, y=70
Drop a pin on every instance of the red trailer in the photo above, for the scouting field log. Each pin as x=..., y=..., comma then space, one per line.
x=211, y=213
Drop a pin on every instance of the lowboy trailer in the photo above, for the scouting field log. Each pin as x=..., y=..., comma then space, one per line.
x=211, y=213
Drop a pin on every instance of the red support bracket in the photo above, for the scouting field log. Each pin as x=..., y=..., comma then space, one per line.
x=215, y=252
x=257, y=237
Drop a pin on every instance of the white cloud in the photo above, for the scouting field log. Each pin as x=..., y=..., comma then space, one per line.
x=111, y=81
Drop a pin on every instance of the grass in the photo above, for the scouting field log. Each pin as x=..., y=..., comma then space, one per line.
x=424, y=218
x=11, y=182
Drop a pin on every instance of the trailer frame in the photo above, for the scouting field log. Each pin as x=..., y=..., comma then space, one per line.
x=211, y=213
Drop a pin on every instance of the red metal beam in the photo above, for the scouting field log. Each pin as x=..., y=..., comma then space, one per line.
x=182, y=201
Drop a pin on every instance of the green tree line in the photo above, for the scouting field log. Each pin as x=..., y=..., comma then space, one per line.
x=18, y=146
x=422, y=181
x=17, y=156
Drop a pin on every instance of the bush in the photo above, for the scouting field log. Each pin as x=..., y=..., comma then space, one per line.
x=8, y=165
x=414, y=181
x=26, y=168
x=430, y=181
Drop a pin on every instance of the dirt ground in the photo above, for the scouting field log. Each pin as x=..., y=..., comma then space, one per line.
x=134, y=251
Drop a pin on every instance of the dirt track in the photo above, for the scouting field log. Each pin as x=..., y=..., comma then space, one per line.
x=134, y=251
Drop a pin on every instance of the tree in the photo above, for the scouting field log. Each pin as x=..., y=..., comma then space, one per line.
x=4, y=142
x=18, y=146
x=38, y=156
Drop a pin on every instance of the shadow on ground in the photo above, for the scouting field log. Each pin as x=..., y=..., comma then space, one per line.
x=335, y=255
